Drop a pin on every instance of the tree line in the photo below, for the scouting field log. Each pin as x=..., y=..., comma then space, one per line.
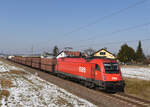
x=126, y=53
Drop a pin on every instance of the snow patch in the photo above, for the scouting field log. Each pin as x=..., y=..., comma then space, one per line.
x=31, y=91
x=3, y=102
x=136, y=72
x=3, y=68
x=6, y=68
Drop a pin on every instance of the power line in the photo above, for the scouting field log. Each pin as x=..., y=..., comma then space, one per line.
x=123, y=30
x=113, y=43
x=117, y=31
x=107, y=16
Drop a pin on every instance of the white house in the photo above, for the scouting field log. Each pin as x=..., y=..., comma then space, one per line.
x=68, y=53
x=10, y=57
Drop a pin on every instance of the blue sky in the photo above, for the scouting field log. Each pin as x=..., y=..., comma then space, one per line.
x=42, y=24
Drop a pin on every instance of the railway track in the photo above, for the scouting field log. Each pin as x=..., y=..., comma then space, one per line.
x=97, y=97
x=134, y=101
x=127, y=99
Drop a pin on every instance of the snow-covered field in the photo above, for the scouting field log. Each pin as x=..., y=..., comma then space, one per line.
x=136, y=72
x=29, y=90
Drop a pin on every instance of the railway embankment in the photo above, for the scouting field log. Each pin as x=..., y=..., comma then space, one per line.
x=19, y=87
x=98, y=98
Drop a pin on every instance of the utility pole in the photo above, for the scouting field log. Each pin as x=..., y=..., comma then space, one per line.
x=32, y=50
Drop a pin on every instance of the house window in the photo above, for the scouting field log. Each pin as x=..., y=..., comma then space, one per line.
x=102, y=53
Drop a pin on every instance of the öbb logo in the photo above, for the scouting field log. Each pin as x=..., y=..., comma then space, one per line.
x=82, y=69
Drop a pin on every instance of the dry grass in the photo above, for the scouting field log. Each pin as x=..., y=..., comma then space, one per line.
x=30, y=81
x=14, y=72
x=4, y=93
x=62, y=101
x=138, y=88
x=17, y=72
x=6, y=83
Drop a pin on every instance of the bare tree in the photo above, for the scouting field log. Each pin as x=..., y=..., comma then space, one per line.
x=89, y=51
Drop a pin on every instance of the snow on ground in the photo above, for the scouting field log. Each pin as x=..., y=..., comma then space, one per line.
x=28, y=90
x=6, y=68
x=136, y=72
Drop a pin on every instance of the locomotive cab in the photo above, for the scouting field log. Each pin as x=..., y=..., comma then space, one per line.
x=108, y=75
x=112, y=76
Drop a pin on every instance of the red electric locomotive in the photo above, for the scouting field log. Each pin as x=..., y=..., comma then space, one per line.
x=94, y=71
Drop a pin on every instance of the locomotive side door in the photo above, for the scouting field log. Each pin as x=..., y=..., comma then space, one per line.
x=93, y=71
x=98, y=72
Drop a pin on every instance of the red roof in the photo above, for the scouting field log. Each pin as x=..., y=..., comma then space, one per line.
x=72, y=53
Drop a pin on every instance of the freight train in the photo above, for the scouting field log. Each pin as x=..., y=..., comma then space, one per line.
x=92, y=71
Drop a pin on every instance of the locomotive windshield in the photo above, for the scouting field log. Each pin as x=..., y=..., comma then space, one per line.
x=111, y=67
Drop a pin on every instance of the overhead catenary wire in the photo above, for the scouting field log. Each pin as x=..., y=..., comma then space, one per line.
x=116, y=32
x=113, y=43
x=105, y=17
x=108, y=16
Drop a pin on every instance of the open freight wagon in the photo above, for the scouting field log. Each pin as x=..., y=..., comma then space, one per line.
x=46, y=64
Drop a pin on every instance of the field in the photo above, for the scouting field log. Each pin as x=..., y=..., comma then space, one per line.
x=21, y=88
x=137, y=81
x=138, y=88
x=139, y=72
